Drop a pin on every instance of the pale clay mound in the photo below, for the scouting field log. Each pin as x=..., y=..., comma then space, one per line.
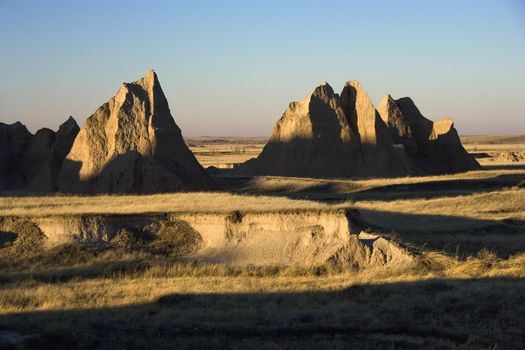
x=327, y=135
x=306, y=238
x=131, y=144
x=32, y=162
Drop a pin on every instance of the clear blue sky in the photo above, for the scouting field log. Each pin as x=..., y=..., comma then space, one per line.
x=232, y=67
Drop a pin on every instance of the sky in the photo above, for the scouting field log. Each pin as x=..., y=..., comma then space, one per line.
x=230, y=68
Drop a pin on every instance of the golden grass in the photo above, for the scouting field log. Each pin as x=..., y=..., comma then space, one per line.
x=274, y=183
x=207, y=202
x=135, y=287
x=438, y=301
x=497, y=205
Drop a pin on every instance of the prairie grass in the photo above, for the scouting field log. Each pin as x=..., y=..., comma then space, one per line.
x=142, y=294
x=139, y=283
x=276, y=183
x=437, y=302
x=160, y=203
x=497, y=205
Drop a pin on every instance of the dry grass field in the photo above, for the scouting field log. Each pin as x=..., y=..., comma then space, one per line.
x=194, y=202
x=496, y=151
x=464, y=288
x=225, y=152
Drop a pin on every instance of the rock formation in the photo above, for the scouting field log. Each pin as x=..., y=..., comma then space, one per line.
x=381, y=158
x=131, y=144
x=435, y=147
x=46, y=178
x=14, y=138
x=309, y=140
x=32, y=162
x=327, y=135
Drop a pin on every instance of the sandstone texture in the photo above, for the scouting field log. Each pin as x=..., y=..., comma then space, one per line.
x=32, y=162
x=131, y=144
x=331, y=135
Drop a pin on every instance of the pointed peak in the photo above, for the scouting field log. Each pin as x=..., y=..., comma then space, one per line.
x=148, y=81
x=405, y=100
x=69, y=122
x=410, y=110
x=387, y=100
x=352, y=91
x=406, y=104
x=355, y=84
x=353, y=87
x=323, y=91
x=150, y=75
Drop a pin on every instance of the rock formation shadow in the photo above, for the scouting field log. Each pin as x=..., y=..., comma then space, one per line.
x=504, y=166
x=442, y=313
x=125, y=171
x=439, y=188
x=333, y=190
x=456, y=235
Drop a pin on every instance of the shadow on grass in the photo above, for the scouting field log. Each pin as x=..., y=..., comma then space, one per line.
x=334, y=190
x=504, y=167
x=439, y=188
x=436, y=314
x=452, y=234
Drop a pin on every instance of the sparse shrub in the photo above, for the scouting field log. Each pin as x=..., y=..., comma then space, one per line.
x=67, y=254
x=128, y=240
x=433, y=261
x=175, y=238
x=29, y=238
x=23, y=240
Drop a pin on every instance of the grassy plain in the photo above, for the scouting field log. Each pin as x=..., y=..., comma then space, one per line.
x=465, y=288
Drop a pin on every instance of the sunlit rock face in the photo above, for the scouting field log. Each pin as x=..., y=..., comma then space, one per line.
x=331, y=135
x=381, y=157
x=131, y=144
x=32, y=162
x=310, y=140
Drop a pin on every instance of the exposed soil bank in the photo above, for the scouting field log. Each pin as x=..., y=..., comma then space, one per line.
x=271, y=238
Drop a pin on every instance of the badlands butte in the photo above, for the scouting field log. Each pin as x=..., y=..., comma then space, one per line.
x=132, y=145
x=350, y=227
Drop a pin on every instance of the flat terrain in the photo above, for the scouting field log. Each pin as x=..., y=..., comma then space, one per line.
x=225, y=152
x=463, y=289
x=494, y=151
x=196, y=202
